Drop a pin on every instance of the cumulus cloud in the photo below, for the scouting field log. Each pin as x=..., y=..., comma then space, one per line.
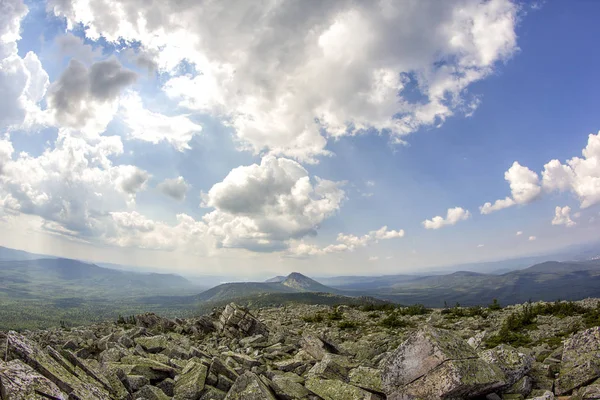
x=453, y=216
x=86, y=98
x=519, y=233
x=73, y=184
x=581, y=176
x=345, y=243
x=373, y=258
x=532, y=238
x=175, y=188
x=562, y=216
x=133, y=229
x=74, y=46
x=154, y=127
x=524, y=187
x=261, y=206
x=23, y=81
x=309, y=72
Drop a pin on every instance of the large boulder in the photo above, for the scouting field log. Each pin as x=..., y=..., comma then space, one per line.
x=435, y=363
x=316, y=347
x=58, y=371
x=580, y=361
x=18, y=381
x=190, y=383
x=331, y=389
x=512, y=362
x=236, y=321
x=249, y=386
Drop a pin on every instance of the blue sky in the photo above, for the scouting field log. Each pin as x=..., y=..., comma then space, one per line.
x=299, y=144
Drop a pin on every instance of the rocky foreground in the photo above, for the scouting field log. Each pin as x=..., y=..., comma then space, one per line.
x=306, y=352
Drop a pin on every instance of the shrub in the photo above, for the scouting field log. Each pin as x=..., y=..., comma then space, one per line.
x=415, y=309
x=392, y=321
x=495, y=305
x=318, y=317
x=335, y=316
x=348, y=325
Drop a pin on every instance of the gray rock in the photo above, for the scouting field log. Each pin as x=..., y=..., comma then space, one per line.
x=338, y=390
x=366, y=378
x=580, y=361
x=18, y=381
x=316, y=347
x=249, y=386
x=512, y=362
x=236, y=321
x=150, y=393
x=435, y=363
x=190, y=383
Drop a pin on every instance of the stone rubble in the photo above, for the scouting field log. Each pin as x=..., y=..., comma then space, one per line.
x=273, y=354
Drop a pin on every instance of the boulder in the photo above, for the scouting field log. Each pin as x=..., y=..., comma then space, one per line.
x=18, y=381
x=150, y=393
x=249, y=386
x=330, y=389
x=153, y=344
x=316, y=347
x=236, y=321
x=154, y=322
x=366, y=378
x=153, y=370
x=289, y=387
x=512, y=362
x=60, y=373
x=329, y=368
x=436, y=363
x=580, y=361
x=190, y=383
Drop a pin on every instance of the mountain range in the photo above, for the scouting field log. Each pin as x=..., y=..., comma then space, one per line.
x=45, y=288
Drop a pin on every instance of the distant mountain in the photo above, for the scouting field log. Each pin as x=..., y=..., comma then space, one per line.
x=276, y=279
x=7, y=254
x=62, y=278
x=293, y=283
x=302, y=283
x=547, y=281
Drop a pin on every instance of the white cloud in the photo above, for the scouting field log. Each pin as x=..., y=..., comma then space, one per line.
x=370, y=183
x=23, y=81
x=87, y=98
x=373, y=258
x=135, y=230
x=453, y=216
x=578, y=175
x=175, y=188
x=499, y=204
x=345, y=243
x=153, y=127
x=260, y=207
x=334, y=66
x=532, y=238
x=562, y=216
x=480, y=245
x=519, y=233
x=524, y=187
x=73, y=184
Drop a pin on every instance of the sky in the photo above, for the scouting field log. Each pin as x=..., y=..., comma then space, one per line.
x=343, y=137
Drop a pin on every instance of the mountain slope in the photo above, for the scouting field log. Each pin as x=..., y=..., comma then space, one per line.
x=63, y=278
